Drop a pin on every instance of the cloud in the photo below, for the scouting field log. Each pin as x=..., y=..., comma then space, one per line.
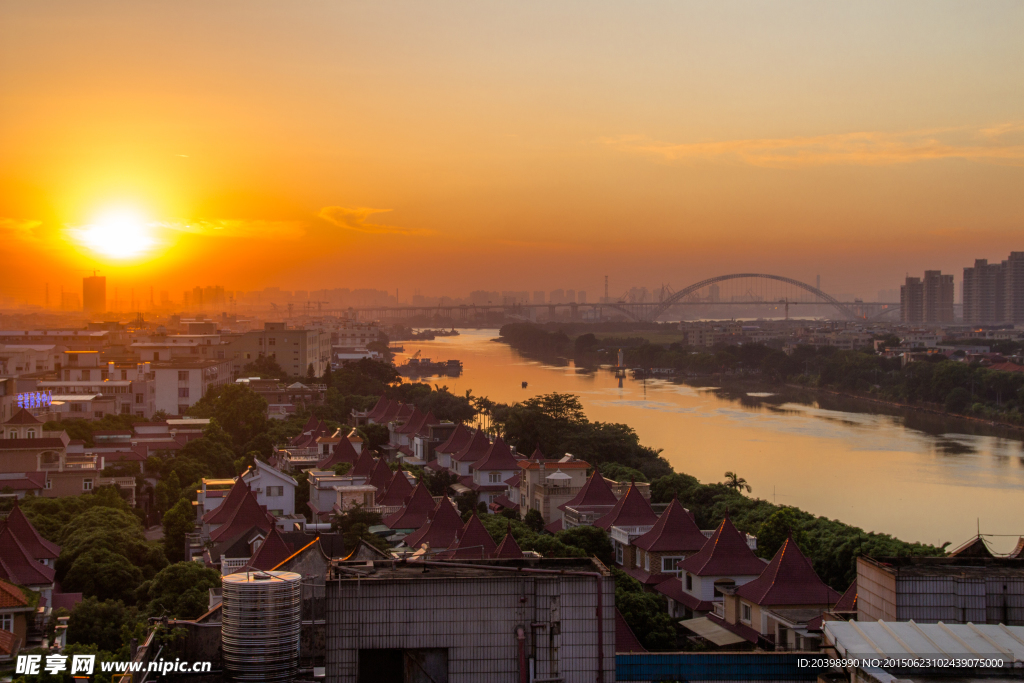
x=19, y=229
x=1001, y=144
x=255, y=229
x=356, y=219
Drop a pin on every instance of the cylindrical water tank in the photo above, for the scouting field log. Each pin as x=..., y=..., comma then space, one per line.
x=261, y=622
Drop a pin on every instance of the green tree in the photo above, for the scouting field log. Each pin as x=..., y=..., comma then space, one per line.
x=646, y=613
x=354, y=525
x=168, y=491
x=101, y=623
x=239, y=411
x=593, y=540
x=736, y=482
x=180, y=591
x=103, y=574
x=534, y=520
x=178, y=522
x=773, y=532
x=265, y=367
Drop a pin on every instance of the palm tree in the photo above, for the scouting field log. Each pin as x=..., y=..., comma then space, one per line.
x=735, y=481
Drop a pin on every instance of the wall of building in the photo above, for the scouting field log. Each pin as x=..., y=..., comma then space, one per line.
x=876, y=592
x=474, y=620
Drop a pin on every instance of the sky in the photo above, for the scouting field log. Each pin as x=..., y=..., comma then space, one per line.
x=450, y=146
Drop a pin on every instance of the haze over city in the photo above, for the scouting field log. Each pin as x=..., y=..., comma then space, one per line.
x=455, y=147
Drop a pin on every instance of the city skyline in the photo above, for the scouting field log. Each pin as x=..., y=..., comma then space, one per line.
x=861, y=142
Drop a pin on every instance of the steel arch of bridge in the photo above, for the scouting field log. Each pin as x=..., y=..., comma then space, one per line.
x=681, y=294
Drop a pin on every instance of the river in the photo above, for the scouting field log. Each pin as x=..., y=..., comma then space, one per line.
x=920, y=478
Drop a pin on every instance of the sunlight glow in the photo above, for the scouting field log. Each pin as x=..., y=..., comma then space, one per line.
x=119, y=234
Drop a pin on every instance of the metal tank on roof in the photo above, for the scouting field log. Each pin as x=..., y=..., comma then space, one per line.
x=261, y=625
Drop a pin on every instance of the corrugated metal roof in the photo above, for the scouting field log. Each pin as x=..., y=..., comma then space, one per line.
x=903, y=639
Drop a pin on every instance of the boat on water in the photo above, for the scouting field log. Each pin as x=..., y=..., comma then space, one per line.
x=424, y=367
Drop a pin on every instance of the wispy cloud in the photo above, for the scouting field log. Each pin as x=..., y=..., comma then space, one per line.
x=20, y=230
x=357, y=219
x=1001, y=144
x=255, y=229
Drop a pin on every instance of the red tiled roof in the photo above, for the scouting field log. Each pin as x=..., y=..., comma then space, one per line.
x=442, y=528
x=597, y=491
x=973, y=548
x=1006, y=367
x=428, y=420
x=17, y=564
x=508, y=548
x=498, y=457
x=124, y=456
x=474, y=541
x=415, y=512
x=11, y=596
x=65, y=600
x=789, y=579
x=32, y=481
x=388, y=413
x=364, y=465
x=674, y=531
x=223, y=512
x=625, y=640
x=434, y=465
x=475, y=449
x=404, y=411
x=8, y=643
x=848, y=602
x=726, y=553
x=537, y=454
x=248, y=514
x=513, y=482
x=38, y=547
x=380, y=476
x=23, y=417
x=273, y=551
x=672, y=587
x=378, y=409
x=344, y=451
x=631, y=510
x=412, y=424
x=527, y=464
x=504, y=502
x=458, y=440
x=396, y=491
x=554, y=527
x=35, y=444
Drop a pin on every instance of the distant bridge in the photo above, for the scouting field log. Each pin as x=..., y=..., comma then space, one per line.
x=641, y=310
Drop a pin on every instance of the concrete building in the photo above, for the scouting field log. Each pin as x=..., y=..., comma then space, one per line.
x=994, y=292
x=479, y=621
x=293, y=349
x=94, y=294
x=912, y=301
x=954, y=590
x=938, y=297
x=179, y=384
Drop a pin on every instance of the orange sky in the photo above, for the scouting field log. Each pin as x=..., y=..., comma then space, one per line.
x=450, y=146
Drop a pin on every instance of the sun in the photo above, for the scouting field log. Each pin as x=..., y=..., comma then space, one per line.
x=119, y=234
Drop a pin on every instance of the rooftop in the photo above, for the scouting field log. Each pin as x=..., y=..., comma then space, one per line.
x=948, y=566
x=412, y=570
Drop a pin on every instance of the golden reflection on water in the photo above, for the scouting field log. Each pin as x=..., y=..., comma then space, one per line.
x=869, y=470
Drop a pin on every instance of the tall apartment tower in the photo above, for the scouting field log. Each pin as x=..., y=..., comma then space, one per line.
x=94, y=294
x=983, y=292
x=912, y=301
x=1013, y=288
x=938, y=297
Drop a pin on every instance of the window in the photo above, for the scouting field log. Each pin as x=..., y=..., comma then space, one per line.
x=637, y=552
x=689, y=581
x=494, y=477
x=126, y=409
x=182, y=375
x=272, y=342
x=7, y=622
x=30, y=434
x=668, y=564
x=618, y=553
x=124, y=374
x=745, y=612
x=138, y=398
x=87, y=484
x=85, y=375
x=273, y=491
x=182, y=392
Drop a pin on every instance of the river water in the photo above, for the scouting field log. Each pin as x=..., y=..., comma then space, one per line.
x=920, y=478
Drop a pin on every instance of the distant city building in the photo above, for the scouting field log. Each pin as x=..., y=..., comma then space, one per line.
x=994, y=292
x=581, y=296
x=293, y=349
x=538, y=297
x=94, y=294
x=929, y=300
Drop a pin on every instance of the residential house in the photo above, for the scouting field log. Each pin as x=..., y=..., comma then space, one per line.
x=15, y=615
x=631, y=517
x=673, y=538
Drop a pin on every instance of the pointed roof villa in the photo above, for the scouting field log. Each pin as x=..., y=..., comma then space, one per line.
x=415, y=512
x=273, y=551
x=247, y=515
x=475, y=449
x=442, y=528
x=389, y=413
x=537, y=454
x=675, y=531
x=18, y=566
x=597, y=491
x=397, y=490
x=37, y=547
x=474, y=542
x=413, y=422
x=726, y=553
x=344, y=451
x=631, y=510
x=508, y=549
x=424, y=428
x=364, y=465
x=789, y=579
x=222, y=513
x=380, y=476
x=23, y=417
x=498, y=457
x=378, y=409
x=458, y=440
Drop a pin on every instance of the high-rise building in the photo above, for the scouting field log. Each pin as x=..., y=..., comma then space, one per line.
x=581, y=296
x=94, y=294
x=538, y=296
x=1013, y=288
x=983, y=292
x=938, y=297
x=912, y=301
